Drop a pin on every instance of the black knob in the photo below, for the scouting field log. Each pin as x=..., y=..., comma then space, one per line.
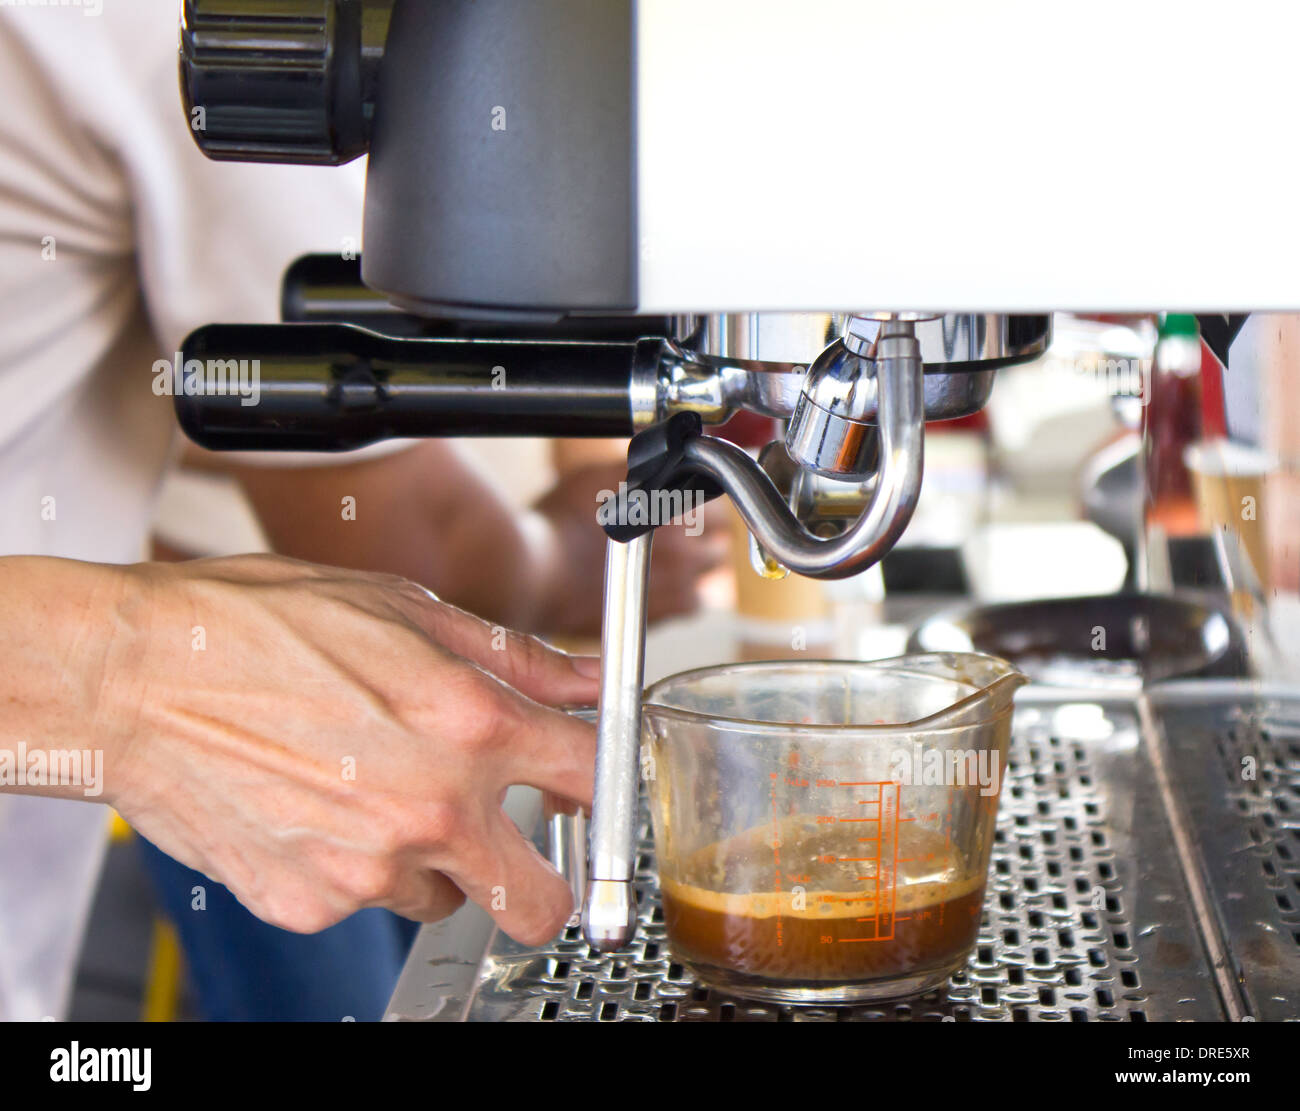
x=282, y=80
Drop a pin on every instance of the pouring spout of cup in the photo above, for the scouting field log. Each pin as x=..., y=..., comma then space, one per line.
x=997, y=682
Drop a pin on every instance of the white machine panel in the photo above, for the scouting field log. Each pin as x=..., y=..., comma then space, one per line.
x=952, y=155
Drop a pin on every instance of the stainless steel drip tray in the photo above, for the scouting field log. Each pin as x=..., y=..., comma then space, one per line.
x=1235, y=758
x=1087, y=916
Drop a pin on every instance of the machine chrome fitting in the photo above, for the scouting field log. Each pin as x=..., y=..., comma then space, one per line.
x=833, y=431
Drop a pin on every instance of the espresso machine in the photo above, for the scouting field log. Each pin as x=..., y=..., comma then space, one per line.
x=638, y=218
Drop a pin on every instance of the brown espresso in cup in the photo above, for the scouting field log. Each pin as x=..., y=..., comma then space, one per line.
x=818, y=932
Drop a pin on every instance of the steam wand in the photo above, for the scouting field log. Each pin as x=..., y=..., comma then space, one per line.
x=656, y=461
x=609, y=912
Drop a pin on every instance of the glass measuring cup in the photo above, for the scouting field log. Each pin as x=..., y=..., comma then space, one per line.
x=823, y=828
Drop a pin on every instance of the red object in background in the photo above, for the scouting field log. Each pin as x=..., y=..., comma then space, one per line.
x=976, y=422
x=750, y=430
x=1214, y=418
x=1171, y=421
x=746, y=429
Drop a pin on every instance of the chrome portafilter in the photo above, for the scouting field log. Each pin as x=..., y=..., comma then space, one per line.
x=834, y=430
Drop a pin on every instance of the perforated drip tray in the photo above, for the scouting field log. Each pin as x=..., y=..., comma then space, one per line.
x=1237, y=767
x=1087, y=916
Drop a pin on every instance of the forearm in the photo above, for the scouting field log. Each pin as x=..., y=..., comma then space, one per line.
x=422, y=514
x=65, y=629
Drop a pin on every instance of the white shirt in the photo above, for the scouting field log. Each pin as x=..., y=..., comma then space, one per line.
x=117, y=238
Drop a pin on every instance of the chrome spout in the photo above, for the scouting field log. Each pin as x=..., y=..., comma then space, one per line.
x=899, y=401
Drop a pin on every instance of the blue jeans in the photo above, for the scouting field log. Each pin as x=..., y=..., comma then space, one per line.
x=243, y=970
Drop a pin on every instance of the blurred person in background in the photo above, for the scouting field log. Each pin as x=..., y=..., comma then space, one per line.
x=117, y=238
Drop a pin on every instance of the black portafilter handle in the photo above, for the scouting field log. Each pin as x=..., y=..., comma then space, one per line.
x=333, y=387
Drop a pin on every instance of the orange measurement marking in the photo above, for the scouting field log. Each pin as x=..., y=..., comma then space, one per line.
x=893, y=891
x=776, y=855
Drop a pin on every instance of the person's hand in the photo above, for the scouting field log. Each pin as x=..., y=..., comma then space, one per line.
x=682, y=555
x=322, y=741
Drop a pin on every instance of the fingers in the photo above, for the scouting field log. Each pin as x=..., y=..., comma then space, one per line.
x=539, y=747
x=423, y=895
x=295, y=901
x=505, y=874
x=531, y=667
x=500, y=738
x=309, y=903
x=520, y=739
x=554, y=805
